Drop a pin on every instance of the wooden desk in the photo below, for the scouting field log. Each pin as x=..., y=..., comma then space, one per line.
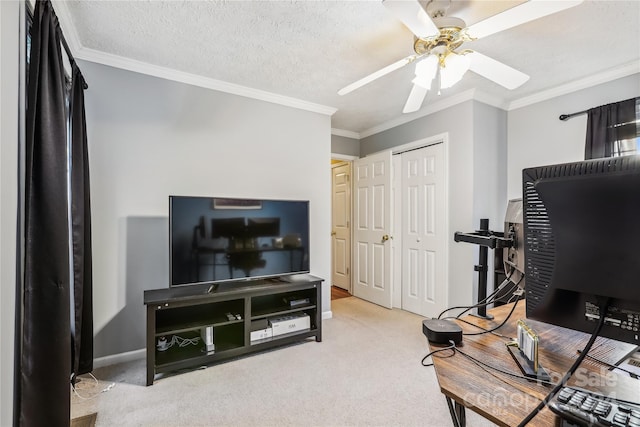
x=507, y=400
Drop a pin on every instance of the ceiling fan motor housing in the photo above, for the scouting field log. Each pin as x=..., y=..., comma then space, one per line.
x=449, y=39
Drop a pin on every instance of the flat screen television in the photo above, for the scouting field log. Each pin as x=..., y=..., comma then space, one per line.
x=582, y=244
x=215, y=239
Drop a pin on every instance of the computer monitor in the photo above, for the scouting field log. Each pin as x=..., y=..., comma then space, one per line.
x=513, y=255
x=263, y=227
x=582, y=244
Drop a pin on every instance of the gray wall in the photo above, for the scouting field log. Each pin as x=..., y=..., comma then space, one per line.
x=490, y=164
x=149, y=138
x=9, y=67
x=489, y=175
x=488, y=148
x=344, y=145
x=146, y=243
x=468, y=200
x=537, y=137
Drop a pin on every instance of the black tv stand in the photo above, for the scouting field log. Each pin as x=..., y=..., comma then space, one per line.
x=230, y=312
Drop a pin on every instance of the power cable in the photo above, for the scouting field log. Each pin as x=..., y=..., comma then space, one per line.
x=486, y=331
x=604, y=306
x=482, y=302
x=451, y=347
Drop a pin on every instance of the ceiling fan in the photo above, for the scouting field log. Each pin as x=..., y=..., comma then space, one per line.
x=438, y=41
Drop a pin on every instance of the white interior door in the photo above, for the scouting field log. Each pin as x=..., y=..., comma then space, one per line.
x=341, y=226
x=424, y=231
x=372, y=229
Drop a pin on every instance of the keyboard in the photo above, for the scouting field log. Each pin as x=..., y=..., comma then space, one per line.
x=586, y=408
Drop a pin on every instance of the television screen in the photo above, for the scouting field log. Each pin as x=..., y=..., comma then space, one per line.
x=212, y=240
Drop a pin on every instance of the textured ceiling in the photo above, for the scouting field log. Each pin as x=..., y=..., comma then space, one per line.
x=309, y=49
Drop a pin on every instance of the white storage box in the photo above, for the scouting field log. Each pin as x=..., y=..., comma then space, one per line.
x=292, y=323
x=261, y=334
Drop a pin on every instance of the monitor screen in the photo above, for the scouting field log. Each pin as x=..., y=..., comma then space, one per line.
x=213, y=240
x=582, y=237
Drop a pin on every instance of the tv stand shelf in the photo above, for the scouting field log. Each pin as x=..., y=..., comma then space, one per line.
x=188, y=311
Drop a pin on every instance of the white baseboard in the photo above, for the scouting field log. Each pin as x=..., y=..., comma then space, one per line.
x=327, y=315
x=128, y=356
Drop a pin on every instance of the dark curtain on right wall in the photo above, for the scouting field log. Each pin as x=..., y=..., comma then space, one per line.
x=608, y=124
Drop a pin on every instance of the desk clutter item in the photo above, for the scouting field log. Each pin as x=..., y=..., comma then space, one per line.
x=584, y=407
x=528, y=342
x=440, y=331
x=525, y=352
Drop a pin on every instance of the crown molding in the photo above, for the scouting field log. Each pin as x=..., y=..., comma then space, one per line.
x=472, y=94
x=429, y=109
x=196, y=80
x=587, y=82
x=345, y=133
x=81, y=52
x=491, y=100
x=91, y=55
x=344, y=157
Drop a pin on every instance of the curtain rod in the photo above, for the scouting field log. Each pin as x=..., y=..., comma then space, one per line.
x=72, y=60
x=69, y=55
x=565, y=117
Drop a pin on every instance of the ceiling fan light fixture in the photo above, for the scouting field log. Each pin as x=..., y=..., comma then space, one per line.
x=454, y=68
x=426, y=71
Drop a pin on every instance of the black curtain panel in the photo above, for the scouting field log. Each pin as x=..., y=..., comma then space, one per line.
x=606, y=125
x=82, y=337
x=45, y=359
x=56, y=335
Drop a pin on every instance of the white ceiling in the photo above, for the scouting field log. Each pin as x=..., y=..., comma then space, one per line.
x=308, y=50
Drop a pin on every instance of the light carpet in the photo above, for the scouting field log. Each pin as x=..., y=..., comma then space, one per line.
x=365, y=372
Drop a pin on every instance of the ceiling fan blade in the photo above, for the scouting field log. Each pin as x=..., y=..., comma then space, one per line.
x=413, y=16
x=371, y=77
x=415, y=100
x=496, y=71
x=533, y=9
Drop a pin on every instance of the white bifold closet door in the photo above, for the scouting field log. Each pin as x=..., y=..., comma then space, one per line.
x=372, y=269
x=424, y=230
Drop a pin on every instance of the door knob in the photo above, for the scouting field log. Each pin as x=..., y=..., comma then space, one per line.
x=333, y=233
x=386, y=237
